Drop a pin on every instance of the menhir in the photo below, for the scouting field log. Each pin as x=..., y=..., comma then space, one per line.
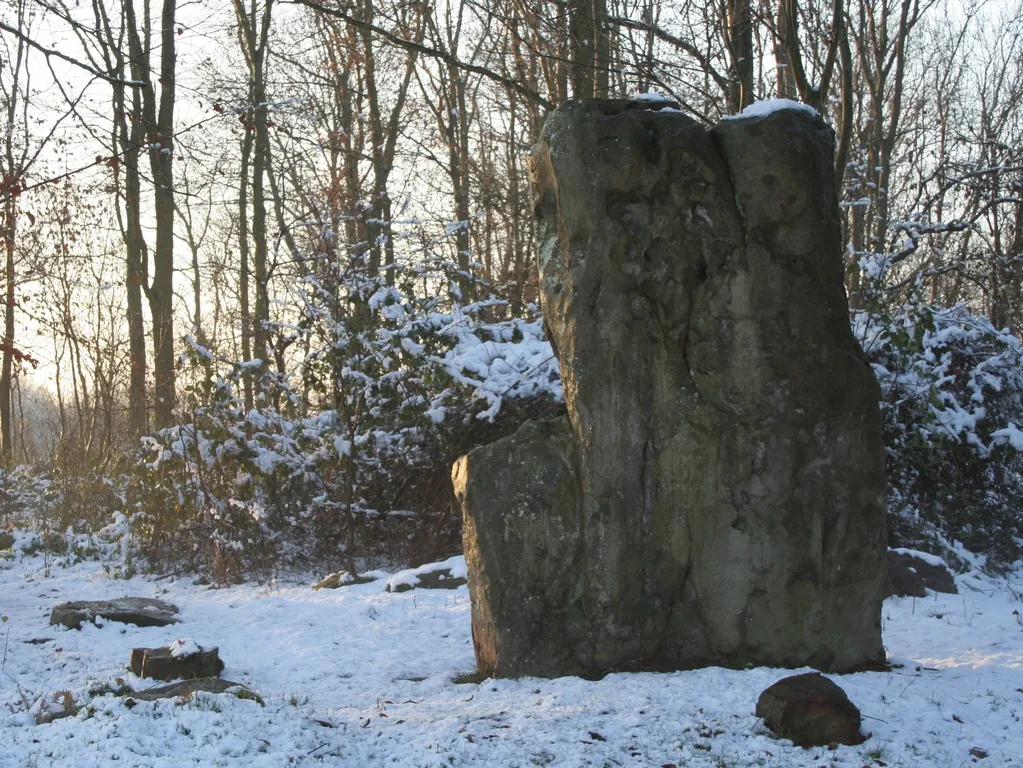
x=715, y=493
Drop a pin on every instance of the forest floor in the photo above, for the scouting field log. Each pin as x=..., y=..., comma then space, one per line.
x=362, y=678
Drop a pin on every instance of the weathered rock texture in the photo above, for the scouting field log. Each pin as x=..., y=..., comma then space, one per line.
x=141, y=611
x=714, y=495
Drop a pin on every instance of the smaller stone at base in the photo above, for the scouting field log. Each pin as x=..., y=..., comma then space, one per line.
x=140, y=611
x=811, y=711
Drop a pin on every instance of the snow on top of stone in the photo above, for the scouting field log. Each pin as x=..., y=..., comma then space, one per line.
x=456, y=566
x=657, y=101
x=770, y=106
x=927, y=557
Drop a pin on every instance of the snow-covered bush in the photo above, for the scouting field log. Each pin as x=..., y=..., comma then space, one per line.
x=24, y=492
x=952, y=403
x=56, y=501
x=346, y=453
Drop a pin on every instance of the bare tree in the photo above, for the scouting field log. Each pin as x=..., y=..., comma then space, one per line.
x=22, y=149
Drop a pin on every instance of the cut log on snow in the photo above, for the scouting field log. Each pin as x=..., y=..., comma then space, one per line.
x=141, y=611
x=715, y=494
x=168, y=663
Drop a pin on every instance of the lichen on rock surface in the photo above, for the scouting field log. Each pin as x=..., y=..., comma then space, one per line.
x=715, y=493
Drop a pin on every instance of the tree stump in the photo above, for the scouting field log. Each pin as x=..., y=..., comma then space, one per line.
x=163, y=664
x=140, y=611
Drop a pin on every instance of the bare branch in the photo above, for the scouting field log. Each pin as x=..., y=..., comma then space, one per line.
x=679, y=43
x=409, y=45
x=69, y=59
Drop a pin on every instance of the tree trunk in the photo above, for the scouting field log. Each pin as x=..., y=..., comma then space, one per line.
x=458, y=141
x=11, y=184
x=159, y=140
x=590, y=48
x=740, y=49
x=244, y=307
x=127, y=142
x=161, y=298
x=136, y=261
x=10, y=230
x=254, y=45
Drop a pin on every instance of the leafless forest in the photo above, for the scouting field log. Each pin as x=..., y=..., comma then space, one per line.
x=269, y=267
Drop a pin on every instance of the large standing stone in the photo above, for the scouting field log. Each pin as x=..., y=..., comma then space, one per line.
x=715, y=494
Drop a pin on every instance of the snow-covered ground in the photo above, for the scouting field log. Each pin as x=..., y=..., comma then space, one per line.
x=360, y=677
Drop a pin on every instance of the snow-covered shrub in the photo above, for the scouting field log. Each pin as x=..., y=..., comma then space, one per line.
x=56, y=502
x=24, y=491
x=952, y=403
x=347, y=451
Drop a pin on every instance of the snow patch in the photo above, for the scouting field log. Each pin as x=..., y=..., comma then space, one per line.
x=927, y=557
x=770, y=106
x=359, y=678
x=1011, y=435
x=183, y=647
x=515, y=361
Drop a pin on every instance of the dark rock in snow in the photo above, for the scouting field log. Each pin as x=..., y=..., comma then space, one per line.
x=141, y=611
x=811, y=711
x=715, y=494
x=162, y=664
x=913, y=573
x=6, y=541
